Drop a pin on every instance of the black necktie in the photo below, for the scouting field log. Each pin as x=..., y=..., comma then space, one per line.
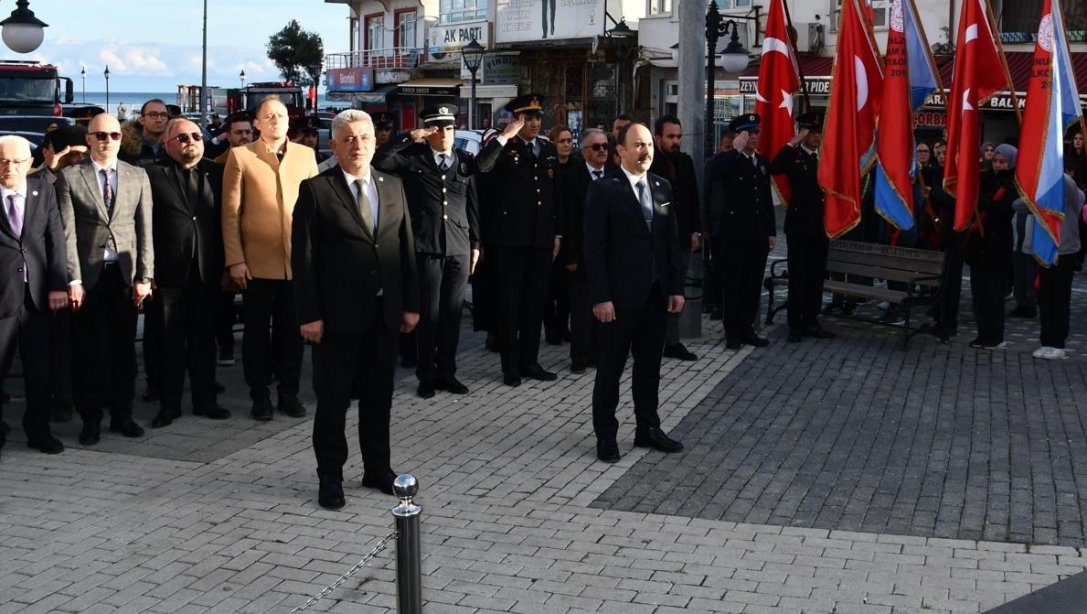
x=444, y=165
x=192, y=186
x=597, y=175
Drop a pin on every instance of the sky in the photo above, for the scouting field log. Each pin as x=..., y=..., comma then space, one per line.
x=154, y=45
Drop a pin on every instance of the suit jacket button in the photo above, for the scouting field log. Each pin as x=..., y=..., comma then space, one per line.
x=445, y=202
x=443, y=177
x=443, y=190
x=445, y=217
x=194, y=218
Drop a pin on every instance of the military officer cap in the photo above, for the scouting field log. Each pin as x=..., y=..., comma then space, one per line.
x=528, y=104
x=383, y=121
x=812, y=120
x=440, y=115
x=747, y=121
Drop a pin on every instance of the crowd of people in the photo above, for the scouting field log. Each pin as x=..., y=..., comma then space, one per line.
x=367, y=256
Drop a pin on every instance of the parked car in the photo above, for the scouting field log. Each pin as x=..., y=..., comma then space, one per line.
x=469, y=140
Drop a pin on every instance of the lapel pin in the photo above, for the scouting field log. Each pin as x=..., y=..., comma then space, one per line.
x=34, y=193
x=381, y=179
x=657, y=184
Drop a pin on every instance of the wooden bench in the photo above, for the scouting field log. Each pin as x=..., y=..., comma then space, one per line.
x=920, y=271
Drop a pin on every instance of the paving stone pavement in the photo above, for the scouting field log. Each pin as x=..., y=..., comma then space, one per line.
x=221, y=517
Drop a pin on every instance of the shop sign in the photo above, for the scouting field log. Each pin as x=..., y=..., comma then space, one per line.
x=496, y=69
x=449, y=38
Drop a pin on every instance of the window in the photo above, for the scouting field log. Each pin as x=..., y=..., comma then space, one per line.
x=375, y=32
x=881, y=13
x=1017, y=20
x=404, y=34
x=452, y=11
x=660, y=7
x=733, y=4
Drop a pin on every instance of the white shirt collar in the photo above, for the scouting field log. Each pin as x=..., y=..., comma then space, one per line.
x=634, y=179
x=5, y=192
x=351, y=179
x=594, y=170
x=750, y=156
x=99, y=168
x=806, y=150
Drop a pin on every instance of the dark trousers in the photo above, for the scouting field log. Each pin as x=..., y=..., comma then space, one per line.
x=343, y=362
x=638, y=331
x=946, y=308
x=104, y=349
x=711, y=280
x=523, y=274
x=188, y=315
x=744, y=265
x=441, y=296
x=28, y=329
x=1024, y=271
x=989, y=282
x=1055, y=298
x=224, y=323
x=60, y=359
x=807, y=258
x=556, y=317
x=271, y=326
x=152, y=342
x=671, y=325
x=584, y=345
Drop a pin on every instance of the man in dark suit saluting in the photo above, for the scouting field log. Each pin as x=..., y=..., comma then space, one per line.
x=106, y=207
x=187, y=191
x=633, y=258
x=356, y=288
x=33, y=267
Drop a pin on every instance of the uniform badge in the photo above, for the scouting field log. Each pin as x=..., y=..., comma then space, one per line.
x=550, y=173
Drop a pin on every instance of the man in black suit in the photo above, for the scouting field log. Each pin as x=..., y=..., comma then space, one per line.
x=574, y=184
x=187, y=192
x=106, y=207
x=804, y=228
x=441, y=190
x=632, y=254
x=678, y=168
x=33, y=266
x=740, y=211
x=527, y=223
x=356, y=288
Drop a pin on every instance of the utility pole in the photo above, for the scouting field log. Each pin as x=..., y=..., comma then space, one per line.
x=692, y=80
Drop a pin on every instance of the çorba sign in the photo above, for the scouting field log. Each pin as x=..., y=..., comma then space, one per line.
x=359, y=79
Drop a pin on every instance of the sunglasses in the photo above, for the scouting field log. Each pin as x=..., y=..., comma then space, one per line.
x=597, y=146
x=101, y=136
x=184, y=138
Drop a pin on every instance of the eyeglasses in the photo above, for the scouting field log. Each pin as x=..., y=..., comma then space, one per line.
x=6, y=162
x=157, y=115
x=183, y=138
x=101, y=136
x=597, y=146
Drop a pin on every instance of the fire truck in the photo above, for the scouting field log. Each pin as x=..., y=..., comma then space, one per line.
x=249, y=98
x=32, y=88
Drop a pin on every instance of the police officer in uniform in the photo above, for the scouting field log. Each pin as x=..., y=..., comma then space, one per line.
x=442, y=199
x=526, y=220
x=740, y=211
x=804, y=229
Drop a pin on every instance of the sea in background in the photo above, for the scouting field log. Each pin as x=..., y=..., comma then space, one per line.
x=134, y=100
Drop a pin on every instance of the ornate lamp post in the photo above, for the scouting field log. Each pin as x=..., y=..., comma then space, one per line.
x=83, y=73
x=106, y=74
x=241, y=76
x=472, y=54
x=621, y=32
x=734, y=60
x=22, y=31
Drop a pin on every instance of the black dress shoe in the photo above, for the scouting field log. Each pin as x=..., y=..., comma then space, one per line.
x=425, y=390
x=291, y=406
x=165, y=417
x=384, y=483
x=577, y=367
x=755, y=340
x=491, y=343
x=535, y=371
x=126, y=427
x=794, y=337
x=450, y=384
x=330, y=494
x=213, y=412
x=89, y=434
x=609, y=453
x=679, y=351
x=262, y=409
x=818, y=332
x=47, y=444
x=732, y=345
x=656, y=439
x=511, y=379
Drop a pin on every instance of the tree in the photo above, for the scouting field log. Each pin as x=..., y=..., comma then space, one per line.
x=297, y=53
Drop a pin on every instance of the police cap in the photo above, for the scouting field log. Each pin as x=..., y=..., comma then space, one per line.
x=812, y=120
x=747, y=121
x=439, y=115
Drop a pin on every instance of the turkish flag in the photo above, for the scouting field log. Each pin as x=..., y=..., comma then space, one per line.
x=980, y=72
x=778, y=85
x=850, y=129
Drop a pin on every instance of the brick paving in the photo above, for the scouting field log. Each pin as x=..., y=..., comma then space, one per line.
x=520, y=517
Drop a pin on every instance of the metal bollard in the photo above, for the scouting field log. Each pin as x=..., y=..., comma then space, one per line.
x=409, y=579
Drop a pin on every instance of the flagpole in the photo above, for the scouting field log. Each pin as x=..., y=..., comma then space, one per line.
x=796, y=53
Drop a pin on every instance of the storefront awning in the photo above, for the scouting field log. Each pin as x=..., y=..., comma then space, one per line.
x=377, y=96
x=431, y=87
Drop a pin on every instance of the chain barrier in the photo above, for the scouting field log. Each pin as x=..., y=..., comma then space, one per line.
x=381, y=545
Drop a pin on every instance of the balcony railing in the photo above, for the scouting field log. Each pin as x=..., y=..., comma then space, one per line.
x=389, y=58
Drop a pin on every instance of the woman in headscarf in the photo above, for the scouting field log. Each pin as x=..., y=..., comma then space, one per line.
x=988, y=249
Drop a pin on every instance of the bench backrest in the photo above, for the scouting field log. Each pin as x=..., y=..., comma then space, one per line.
x=884, y=261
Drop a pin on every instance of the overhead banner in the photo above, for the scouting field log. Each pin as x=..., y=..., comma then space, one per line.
x=541, y=20
x=360, y=79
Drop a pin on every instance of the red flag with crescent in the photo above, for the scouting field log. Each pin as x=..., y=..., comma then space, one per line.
x=980, y=72
x=849, y=133
x=778, y=85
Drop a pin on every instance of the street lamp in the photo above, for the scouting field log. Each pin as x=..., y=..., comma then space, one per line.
x=315, y=74
x=106, y=73
x=472, y=54
x=734, y=60
x=23, y=32
x=83, y=73
x=621, y=32
x=241, y=76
